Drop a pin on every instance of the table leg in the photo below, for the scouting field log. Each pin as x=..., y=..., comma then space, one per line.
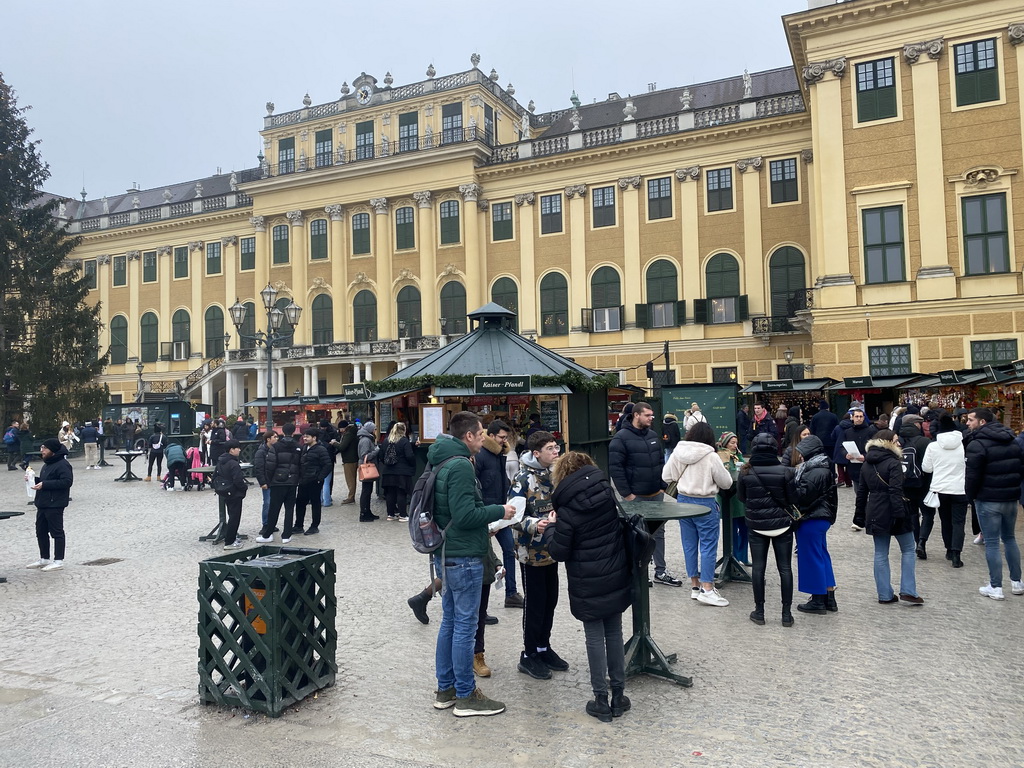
x=728, y=568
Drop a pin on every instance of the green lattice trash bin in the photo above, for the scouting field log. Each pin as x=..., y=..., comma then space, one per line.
x=267, y=636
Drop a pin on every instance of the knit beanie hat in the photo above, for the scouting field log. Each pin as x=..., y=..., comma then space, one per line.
x=53, y=444
x=723, y=441
x=946, y=424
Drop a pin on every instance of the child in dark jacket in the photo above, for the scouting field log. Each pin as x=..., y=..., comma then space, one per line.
x=588, y=538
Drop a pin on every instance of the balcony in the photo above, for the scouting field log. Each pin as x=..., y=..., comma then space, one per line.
x=796, y=320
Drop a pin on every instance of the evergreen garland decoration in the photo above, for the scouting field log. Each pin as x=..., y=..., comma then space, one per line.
x=574, y=380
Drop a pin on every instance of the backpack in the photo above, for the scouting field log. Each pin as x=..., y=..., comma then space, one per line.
x=911, y=471
x=10, y=437
x=390, y=454
x=220, y=483
x=426, y=536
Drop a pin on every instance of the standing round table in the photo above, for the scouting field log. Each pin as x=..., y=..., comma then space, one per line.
x=128, y=457
x=4, y=516
x=643, y=656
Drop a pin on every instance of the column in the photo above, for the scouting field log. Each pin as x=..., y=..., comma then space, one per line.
x=428, y=261
x=476, y=264
x=299, y=259
x=261, y=383
x=753, y=263
x=385, y=297
x=314, y=380
x=164, y=275
x=631, y=294
x=279, y=390
x=356, y=371
x=306, y=388
x=134, y=262
x=262, y=272
x=368, y=374
x=229, y=264
x=230, y=391
x=103, y=278
x=689, y=221
x=529, y=317
x=338, y=250
x=207, y=390
x=195, y=272
x=1015, y=32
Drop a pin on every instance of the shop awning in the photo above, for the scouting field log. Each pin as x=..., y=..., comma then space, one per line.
x=389, y=395
x=559, y=389
x=877, y=382
x=934, y=382
x=802, y=385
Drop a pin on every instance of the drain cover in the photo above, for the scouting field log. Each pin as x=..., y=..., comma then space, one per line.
x=104, y=561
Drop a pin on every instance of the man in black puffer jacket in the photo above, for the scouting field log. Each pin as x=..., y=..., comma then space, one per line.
x=53, y=492
x=860, y=431
x=764, y=487
x=282, y=470
x=916, y=488
x=314, y=468
x=992, y=482
x=228, y=477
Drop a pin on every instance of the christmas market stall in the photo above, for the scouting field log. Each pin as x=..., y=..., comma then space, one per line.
x=996, y=388
x=774, y=395
x=878, y=394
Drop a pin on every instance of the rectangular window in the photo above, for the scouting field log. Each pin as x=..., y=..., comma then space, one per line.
x=488, y=124
x=408, y=131
x=364, y=140
x=286, y=155
x=876, y=90
x=783, y=181
x=662, y=315
x=450, y=222
x=91, y=279
x=550, y=214
x=719, y=184
x=405, y=229
x=501, y=221
x=986, y=239
x=149, y=267
x=997, y=352
x=451, y=123
x=280, y=238
x=893, y=360
x=883, y=245
x=794, y=372
x=360, y=234
x=180, y=262
x=247, y=253
x=604, y=207
x=977, y=73
x=120, y=270
x=607, y=319
x=318, y=239
x=324, y=148
x=659, y=199
x=722, y=310
x=213, y=261
x=724, y=375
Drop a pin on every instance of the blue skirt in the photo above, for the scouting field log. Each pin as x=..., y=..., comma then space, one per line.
x=814, y=564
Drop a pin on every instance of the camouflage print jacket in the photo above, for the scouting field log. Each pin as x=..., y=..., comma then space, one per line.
x=531, y=496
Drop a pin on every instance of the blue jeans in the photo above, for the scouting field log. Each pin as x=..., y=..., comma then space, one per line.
x=908, y=562
x=740, y=539
x=508, y=558
x=325, y=494
x=266, y=505
x=998, y=519
x=460, y=609
x=700, y=533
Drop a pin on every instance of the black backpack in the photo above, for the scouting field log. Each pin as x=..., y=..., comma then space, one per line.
x=220, y=484
x=911, y=471
x=390, y=454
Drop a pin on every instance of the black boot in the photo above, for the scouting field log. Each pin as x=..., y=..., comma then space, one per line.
x=599, y=708
x=757, y=615
x=830, y=602
x=949, y=554
x=957, y=562
x=418, y=603
x=921, y=554
x=787, y=616
x=817, y=604
x=620, y=702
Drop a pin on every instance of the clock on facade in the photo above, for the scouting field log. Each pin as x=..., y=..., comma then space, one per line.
x=363, y=94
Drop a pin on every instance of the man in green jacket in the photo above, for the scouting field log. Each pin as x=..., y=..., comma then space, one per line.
x=459, y=510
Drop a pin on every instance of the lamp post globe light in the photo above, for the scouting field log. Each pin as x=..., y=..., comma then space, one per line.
x=272, y=337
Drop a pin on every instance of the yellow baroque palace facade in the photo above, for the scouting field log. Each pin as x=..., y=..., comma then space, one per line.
x=858, y=208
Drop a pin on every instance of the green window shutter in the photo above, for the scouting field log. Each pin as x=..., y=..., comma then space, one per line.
x=966, y=89
x=867, y=106
x=587, y=320
x=681, y=312
x=247, y=253
x=641, y=316
x=886, y=103
x=700, y=311
x=988, y=85
x=743, y=309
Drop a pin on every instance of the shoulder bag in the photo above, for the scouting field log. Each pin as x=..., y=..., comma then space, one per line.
x=368, y=471
x=790, y=509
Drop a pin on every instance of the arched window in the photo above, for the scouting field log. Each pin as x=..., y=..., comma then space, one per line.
x=410, y=324
x=214, y=322
x=453, y=307
x=118, y=340
x=723, y=304
x=364, y=316
x=663, y=310
x=149, y=344
x=248, y=328
x=322, y=312
x=788, y=282
x=605, y=297
x=181, y=335
x=554, y=305
x=505, y=293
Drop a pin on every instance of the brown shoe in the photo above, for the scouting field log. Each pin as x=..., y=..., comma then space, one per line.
x=148, y=478
x=515, y=600
x=480, y=666
x=348, y=501
x=911, y=599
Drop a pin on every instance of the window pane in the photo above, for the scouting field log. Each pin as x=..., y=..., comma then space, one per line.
x=973, y=216
x=181, y=262
x=501, y=221
x=149, y=267
x=361, y=233
x=280, y=238
x=213, y=259
x=997, y=254
x=995, y=211
x=247, y=253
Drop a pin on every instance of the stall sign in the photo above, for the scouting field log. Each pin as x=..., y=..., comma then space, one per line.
x=355, y=391
x=948, y=377
x=518, y=400
x=481, y=401
x=502, y=385
x=1018, y=367
x=858, y=382
x=309, y=400
x=782, y=385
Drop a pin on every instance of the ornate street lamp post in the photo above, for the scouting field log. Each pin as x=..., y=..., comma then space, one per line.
x=140, y=368
x=272, y=337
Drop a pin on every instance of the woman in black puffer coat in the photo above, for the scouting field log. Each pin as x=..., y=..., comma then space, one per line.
x=764, y=487
x=588, y=539
x=817, y=498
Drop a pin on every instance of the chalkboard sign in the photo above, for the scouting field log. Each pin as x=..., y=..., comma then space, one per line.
x=549, y=416
x=386, y=414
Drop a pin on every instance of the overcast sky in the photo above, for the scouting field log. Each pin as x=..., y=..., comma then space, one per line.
x=156, y=93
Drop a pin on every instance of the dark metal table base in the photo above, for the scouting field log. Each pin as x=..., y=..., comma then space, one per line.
x=216, y=535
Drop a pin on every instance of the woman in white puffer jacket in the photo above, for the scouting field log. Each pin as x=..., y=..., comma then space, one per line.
x=944, y=459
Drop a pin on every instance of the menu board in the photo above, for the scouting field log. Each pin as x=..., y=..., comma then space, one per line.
x=431, y=422
x=386, y=414
x=549, y=416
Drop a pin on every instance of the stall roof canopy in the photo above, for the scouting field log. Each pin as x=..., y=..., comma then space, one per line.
x=932, y=382
x=801, y=385
x=878, y=382
x=469, y=392
x=491, y=349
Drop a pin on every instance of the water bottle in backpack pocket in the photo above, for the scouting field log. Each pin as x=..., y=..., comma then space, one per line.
x=426, y=536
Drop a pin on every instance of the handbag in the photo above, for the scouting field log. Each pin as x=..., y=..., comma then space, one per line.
x=790, y=509
x=931, y=499
x=673, y=488
x=638, y=540
x=367, y=471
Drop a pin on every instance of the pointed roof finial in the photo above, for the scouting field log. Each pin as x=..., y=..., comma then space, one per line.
x=575, y=99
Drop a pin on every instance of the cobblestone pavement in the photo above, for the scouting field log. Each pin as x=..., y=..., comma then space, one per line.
x=98, y=663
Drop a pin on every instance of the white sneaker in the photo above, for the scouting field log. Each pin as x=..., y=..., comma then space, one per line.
x=285, y=541
x=979, y=539
x=996, y=593
x=1017, y=587
x=268, y=540
x=56, y=565
x=712, y=598
x=694, y=593
x=855, y=527
x=38, y=564
x=237, y=544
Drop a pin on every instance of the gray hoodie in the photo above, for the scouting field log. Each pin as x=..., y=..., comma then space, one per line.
x=367, y=442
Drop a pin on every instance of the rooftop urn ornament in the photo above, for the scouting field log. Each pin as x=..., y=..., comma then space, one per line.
x=748, y=85
x=574, y=118
x=167, y=195
x=493, y=75
x=430, y=70
x=270, y=108
x=531, y=106
x=575, y=99
x=388, y=80
x=686, y=99
x=475, y=60
x=345, y=90
x=629, y=110
x=136, y=203
x=510, y=89
x=306, y=101
x=199, y=189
